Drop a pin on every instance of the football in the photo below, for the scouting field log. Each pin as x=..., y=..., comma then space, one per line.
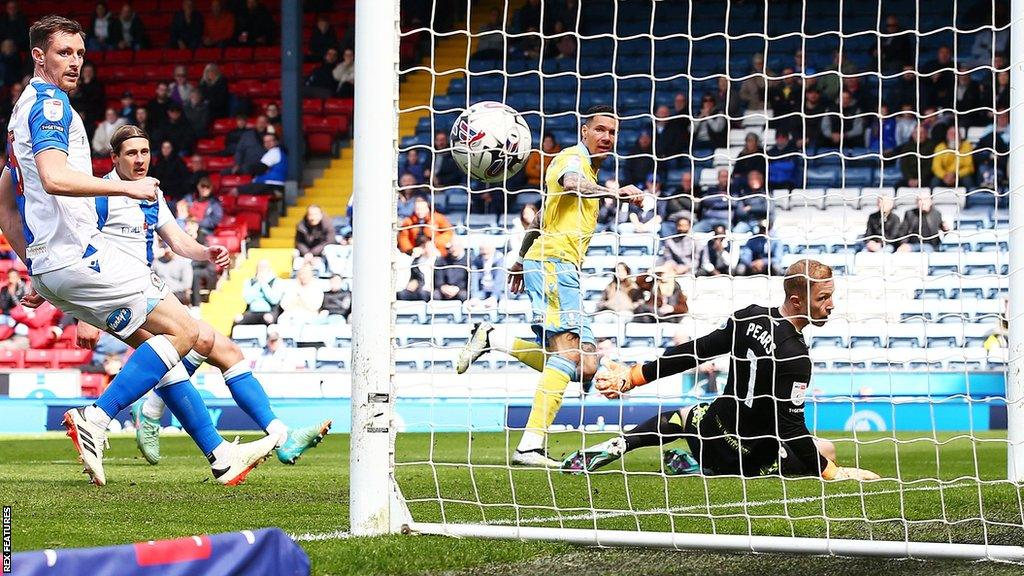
x=490, y=141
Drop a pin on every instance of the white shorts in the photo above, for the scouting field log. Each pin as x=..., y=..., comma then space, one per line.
x=107, y=288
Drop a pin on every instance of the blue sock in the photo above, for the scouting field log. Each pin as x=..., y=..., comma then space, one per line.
x=139, y=375
x=249, y=394
x=192, y=361
x=187, y=405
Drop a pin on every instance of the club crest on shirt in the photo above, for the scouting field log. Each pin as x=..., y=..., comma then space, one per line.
x=799, y=393
x=53, y=109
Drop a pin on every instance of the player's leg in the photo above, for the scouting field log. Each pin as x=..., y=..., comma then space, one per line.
x=250, y=396
x=658, y=430
x=826, y=448
x=484, y=337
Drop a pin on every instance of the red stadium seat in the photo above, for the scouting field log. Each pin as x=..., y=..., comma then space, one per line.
x=217, y=163
x=204, y=56
x=237, y=54
x=253, y=221
x=223, y=125
x=320, y=144
x=210, y=145
x=267, y=54
x=12, y=359
x=40, y=359
x=73, y=357
x=234, y=180
x=158, y=72
x=312, y=106
x=119, y=57
x=102, y=166
x=154, y=56
x=227, y=201
x=177, y=56
x=92, y=384
x=338, y=106
x=253, y=203
x=229, y=241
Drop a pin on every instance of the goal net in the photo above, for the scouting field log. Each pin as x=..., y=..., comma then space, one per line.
x=871, y=137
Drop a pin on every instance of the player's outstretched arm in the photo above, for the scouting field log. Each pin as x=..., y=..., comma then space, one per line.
x=186, y=246
x=515, y=270
x=10, y=218
x=575, y=182
x=616, y=379
x=60, y=180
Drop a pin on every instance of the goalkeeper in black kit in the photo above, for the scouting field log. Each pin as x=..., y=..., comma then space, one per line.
x=756, y=427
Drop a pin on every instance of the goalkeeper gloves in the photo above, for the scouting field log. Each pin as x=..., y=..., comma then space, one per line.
x=833, y=472
x=614, y=379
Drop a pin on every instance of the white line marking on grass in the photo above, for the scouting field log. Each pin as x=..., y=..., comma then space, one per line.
x=698, y=507
x=321, y=536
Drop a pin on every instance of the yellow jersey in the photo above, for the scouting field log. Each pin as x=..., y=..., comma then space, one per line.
x=568, y=220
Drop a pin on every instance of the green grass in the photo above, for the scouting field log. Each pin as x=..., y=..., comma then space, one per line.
x=469, y=482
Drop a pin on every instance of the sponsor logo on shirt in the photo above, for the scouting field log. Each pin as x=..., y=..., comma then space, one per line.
x=53, y=109
x=119, y=319
x=799, y=393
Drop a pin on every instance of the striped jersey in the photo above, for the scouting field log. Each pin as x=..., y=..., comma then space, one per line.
x=132, y=224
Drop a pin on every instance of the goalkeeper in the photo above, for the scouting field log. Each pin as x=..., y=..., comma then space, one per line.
x=756, y=427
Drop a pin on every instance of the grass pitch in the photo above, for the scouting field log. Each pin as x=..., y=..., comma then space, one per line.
x=459, y=479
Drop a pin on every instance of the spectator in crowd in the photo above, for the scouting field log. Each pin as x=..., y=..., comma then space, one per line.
x=883, y=229
x=896, y=45
x=215, y=89
x=716, y=205
x=527, y=214
x=923, y=226
x=180, y=88
x=321, y=83
x=197, y=114
x=89, y=98
x=994, y=146
x=13, y=292
x=176, y=272
x=171, y=171
x=621, y=293
x=12, y=65
x=142, y=120
x=254, y=25
x=608, y=215
x=408, y=191
x=104, y=31
x=906, y=124
x=300, y=304
x=751, y=157
x=1001, y=91
x=752, y=90
x=451, y=272
x=881, y=132
x=14, y=25
x=968, y=99
x=762, y=253
x=641, y=159
x=487, y=278
x=337, y=300
x=426, y=224
x=344, y=74
x=848, y=130
x=177, y=130
x=218, y=26
x=906, y=91
x=187, y=27
x=659, y=299
x=915, y=158
x=234, y=138
x=412, y=165
x=999, y=338
x=273, y=170
x=128, y=107
x=728, y=100
x=273, y=115
x=133, y=33
x=711, y=129
x=753, y=205
x=538, y=161
x=644, y=219
x=668, y=139
x=785, y=98
x=262, y=293
x=197, y=171
x=101, y=138
x=205, y=207
x=204, y=273
x=322, y=38
x=811, y=126
x=860, y=93
x=491, y=42
x=158, y=105
x=680, y=251
x=679, y=127
x=443, y=169
x=953, y=164
x=716, y=257
x=680, y=202
x=313, y=233
x=263, y=126
x=275, y=357
x=939, y=80
x=783, y=163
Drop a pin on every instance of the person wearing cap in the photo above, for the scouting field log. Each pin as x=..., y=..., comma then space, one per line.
x=275, y=355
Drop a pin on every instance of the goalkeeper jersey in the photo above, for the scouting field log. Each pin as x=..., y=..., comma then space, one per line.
x=769, y=372
x=568, y=220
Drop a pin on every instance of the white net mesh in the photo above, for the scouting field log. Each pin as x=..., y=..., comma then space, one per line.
x=776, y=131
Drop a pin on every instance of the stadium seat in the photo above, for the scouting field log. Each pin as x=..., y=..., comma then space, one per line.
x=12, y=358
x=210, y=145
x=228, y=240
x=40, y=359
x=73, y=357
x=251, y=202
x=217, y=163
x=333, y=358
x=92, y=384
x=338, y=106
x=320, y=144
x=254, y=335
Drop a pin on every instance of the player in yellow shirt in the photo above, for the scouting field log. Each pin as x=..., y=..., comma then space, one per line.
x=548, y=268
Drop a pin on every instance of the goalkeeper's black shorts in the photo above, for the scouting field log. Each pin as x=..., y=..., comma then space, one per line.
x=722, y=452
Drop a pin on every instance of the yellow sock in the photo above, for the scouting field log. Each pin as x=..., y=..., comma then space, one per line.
x=548, y=398
x=528, y=352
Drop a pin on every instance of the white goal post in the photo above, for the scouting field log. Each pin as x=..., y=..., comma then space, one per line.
x=478, y=494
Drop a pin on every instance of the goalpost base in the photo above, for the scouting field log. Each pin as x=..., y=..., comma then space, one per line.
x=729, y=543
